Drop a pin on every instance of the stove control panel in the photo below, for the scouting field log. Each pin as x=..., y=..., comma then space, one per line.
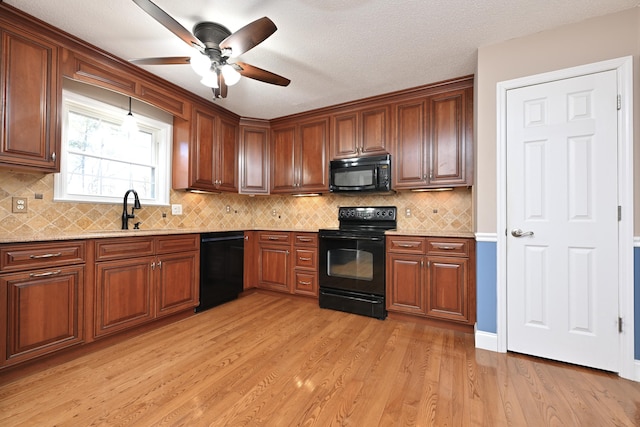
x=376, y=213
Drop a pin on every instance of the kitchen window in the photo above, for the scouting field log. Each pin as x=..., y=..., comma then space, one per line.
x=101, y=160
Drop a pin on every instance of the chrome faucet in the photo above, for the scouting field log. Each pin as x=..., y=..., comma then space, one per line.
x=136, y=205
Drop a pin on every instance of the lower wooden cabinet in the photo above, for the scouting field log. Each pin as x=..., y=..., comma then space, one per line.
x=288, y=262
x=42, y=289
x=431, y=277
x=139, y=279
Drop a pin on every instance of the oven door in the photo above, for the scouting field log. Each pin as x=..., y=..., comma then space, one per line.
x=352, y=261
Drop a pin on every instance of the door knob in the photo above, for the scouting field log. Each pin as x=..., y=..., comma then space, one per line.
x=516, y=232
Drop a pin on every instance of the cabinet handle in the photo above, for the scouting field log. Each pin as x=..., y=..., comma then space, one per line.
x=159, y=264
x=48, y=273
x=45, y=255
x=421, y=263
x=428, y=264
x=304, y=239
x=305, y=259
x=445, y=248
x=153, y=265
x=302, y=282
x=407, y=245
x=246, y=237
x=273, y=238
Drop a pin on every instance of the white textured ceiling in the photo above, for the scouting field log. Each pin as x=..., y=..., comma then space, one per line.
x=332, y=50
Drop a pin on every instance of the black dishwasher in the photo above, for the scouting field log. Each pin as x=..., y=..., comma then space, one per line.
x=221, y=268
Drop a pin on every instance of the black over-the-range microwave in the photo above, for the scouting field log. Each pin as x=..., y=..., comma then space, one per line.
x=360, y=174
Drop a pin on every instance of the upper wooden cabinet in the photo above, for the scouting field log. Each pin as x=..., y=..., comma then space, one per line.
x=205, y=152
x=30, y=93
x=363, y=132
x=254, y=157
x=433, y=140
x=299, y=160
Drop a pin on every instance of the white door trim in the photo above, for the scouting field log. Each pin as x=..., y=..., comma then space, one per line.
x=624, y=68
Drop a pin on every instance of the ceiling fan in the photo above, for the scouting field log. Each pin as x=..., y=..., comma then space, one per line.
x=213, y=46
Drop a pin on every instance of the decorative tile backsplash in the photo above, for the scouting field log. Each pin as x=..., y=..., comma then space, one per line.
x=432, y=211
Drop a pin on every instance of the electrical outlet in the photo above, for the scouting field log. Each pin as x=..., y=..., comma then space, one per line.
x=176, y=209
x=274, y=212
x=228, y=209
x=19, y=204
x=407, y=212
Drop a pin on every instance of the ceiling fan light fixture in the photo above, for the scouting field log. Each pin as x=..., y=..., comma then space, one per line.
x=231, y=75
x=210, y=79
x=200, y=63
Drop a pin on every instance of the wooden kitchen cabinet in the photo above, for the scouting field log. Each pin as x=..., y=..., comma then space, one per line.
x=363, y=132
x=288, y=262
x=299, y=161
x=140, y=279
x=305, y=266
x=254, y=157
x=42, y=289
x=434, y=138
x=431, y=277
x=274, y=261
x=30, y=92
x=205, y=152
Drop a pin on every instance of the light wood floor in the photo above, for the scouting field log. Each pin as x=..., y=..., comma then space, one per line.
x=277, y=361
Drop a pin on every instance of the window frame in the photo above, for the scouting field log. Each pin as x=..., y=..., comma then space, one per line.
x=161, y=132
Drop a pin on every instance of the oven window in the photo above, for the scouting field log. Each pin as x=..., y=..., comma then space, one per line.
x=350, y=264
x=353, y=177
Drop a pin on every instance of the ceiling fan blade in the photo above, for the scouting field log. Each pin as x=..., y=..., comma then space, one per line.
x=171, y=24
x=221, y=91
x=262, y=75
x=248, y=36
x=162, y=61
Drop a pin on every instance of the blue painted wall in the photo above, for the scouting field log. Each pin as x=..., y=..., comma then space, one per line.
x=486, y=292
x=636, y=301
x=486, y=280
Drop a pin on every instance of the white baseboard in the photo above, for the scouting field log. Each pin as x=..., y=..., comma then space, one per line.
x=488, y=341
x=636, y=370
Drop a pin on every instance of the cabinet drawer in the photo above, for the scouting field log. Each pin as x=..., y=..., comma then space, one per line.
x=306, y=239
x=123, y=247
x=41, y=255
x=448, y=246
x=306, y=258
x=305, y=283
x=403, y=244
x=177, y=243
x=274, y=237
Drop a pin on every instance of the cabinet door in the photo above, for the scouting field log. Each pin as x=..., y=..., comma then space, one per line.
x=375, y=131
x=123, y=294
x=254, y=160
x=177, y=282
x=226, y=176
x=30, y=93
x=447, y=139
x=283, y=159
x=405, y=284
x=44, y=312
x=274, y=267
x=410, y=160
x=345, y=142
x=447, y=281
x=203, y=151
x=313, y=164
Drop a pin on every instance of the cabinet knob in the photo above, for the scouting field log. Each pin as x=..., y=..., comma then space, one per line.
x=53, y=156
x=159, y=264
x=153, y=265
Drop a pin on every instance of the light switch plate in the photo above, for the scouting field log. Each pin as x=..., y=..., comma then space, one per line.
x=176, y=209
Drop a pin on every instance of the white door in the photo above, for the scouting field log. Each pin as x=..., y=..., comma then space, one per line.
x=562, y=221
